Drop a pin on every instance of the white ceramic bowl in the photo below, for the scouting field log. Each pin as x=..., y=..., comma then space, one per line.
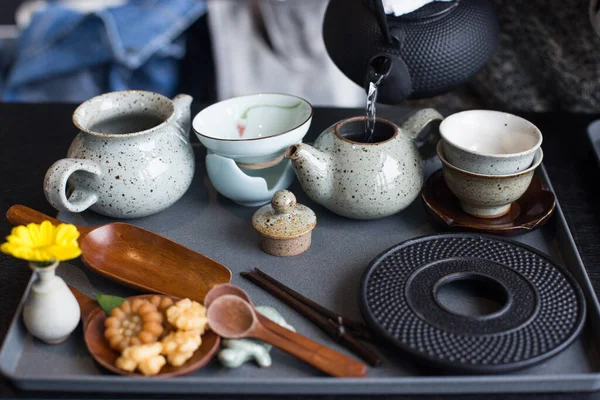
x=254, y=128
x=487, y=196
x=489, y=142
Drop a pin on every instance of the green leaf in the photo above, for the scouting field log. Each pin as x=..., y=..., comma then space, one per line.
x=108, y=302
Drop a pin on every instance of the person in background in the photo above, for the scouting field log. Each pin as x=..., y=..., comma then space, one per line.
x=276, y=46
x=71, y=50
x=548, y=58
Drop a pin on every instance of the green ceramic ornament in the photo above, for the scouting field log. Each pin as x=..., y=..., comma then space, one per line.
x=239, y=351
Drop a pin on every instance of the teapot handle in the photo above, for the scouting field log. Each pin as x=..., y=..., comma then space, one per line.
x=416, y=123
x=382, y=21
x=55, y=185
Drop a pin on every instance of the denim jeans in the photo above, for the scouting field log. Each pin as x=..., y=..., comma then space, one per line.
x=65, y=55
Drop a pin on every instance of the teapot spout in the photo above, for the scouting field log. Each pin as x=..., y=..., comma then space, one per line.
x=182, y=103
x=390, y=74
x=313, y=169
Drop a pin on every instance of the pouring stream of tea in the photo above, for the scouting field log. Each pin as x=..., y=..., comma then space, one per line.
x=370, y=113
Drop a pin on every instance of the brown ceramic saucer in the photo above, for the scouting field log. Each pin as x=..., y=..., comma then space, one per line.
x=529, y=212
x=93, y=332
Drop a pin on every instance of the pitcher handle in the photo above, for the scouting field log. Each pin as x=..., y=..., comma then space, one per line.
x=415, y=125
x=182, y=103
x=55, y=185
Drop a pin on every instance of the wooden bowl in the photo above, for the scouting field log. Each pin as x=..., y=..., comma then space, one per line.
x=93, y=332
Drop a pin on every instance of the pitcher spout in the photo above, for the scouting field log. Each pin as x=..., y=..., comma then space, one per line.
x=313, y=169
x=182, y=103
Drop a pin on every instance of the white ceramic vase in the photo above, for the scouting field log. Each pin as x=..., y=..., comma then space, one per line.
x=51, y=311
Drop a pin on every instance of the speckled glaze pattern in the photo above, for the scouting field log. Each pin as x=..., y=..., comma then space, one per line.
x=286, y=247
x=363, y=180
x=284, y=225
x=487, y=196
x=467, y=134
x=489, y=165
x=127, y=175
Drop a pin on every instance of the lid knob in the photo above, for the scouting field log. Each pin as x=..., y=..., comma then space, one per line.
x=283, y=201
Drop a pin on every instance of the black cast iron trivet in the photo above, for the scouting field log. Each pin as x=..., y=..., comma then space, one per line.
x=543, y=307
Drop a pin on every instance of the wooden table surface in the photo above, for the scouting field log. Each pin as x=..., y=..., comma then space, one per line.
x=33, y=136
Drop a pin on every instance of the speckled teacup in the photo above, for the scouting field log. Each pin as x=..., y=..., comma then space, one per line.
x=489, y=142
x=131, y=158
x=487, y=196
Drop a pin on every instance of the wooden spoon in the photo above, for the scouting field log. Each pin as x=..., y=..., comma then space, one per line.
x=139, y=258
x=232, y=317
x=351, y=366
x=93, y=317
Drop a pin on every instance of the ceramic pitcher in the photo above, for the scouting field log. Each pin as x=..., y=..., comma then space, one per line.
x=363, y=180
x=131, y=158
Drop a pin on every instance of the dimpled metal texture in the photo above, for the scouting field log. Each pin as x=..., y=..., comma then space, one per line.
x=556, y=322
x=441, y=51
x=444, y=56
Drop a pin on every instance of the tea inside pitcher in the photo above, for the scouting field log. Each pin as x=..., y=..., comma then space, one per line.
x=355, y=131
x=129, y=123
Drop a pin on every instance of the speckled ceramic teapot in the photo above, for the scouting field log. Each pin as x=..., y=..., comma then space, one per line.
x=363, y=180
x=131, y=158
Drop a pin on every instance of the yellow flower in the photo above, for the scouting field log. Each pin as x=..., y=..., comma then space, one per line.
x=43, y=243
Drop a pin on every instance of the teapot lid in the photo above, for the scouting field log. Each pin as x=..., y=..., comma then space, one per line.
x=284, y=218
x=429, y=10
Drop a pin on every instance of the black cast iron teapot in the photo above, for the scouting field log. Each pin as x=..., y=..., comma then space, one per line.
x=417, y=55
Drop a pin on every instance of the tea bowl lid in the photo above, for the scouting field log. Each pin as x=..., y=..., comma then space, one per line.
x=284, y=218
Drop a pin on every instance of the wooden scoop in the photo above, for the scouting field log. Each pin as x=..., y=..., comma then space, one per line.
x=92, y=317
x=233, y=317
x=348, y=366
x=139, y=258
